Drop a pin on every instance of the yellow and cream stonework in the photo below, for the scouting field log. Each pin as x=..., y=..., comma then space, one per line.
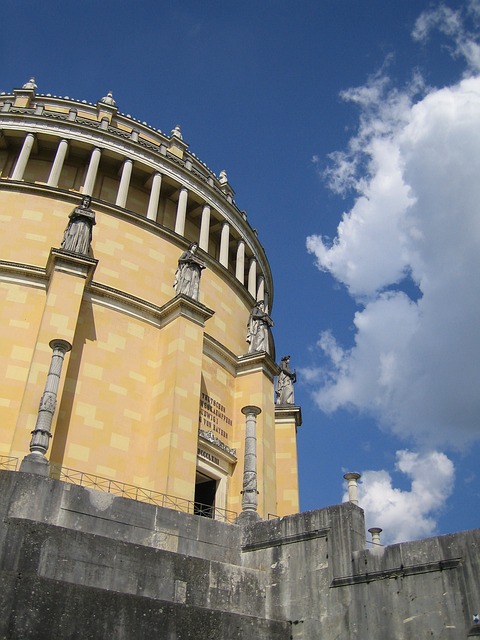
x=152, y=391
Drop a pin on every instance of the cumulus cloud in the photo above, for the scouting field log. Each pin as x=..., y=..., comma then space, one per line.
x=408, y=251
x=452, y=24
x=407, y=515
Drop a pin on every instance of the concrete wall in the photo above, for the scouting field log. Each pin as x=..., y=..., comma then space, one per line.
x=330, y=587
x=77, y=563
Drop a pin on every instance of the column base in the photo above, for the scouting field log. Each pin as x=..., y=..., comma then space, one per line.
x=247, y=517
x=34, y=463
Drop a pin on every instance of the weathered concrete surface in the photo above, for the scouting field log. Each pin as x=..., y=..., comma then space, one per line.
x=38, y=609
x=76, y=563
x=331, y=588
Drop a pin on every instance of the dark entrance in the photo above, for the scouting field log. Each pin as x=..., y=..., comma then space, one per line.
x=205, y=489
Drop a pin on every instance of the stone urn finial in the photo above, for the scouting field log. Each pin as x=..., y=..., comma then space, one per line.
x=108, y=99
x=176, y=133
x=30, y=84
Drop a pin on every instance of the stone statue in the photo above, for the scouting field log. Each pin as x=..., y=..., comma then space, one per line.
x=285, y=382
x=78, y=234
x=187, y=275
x=257, y=328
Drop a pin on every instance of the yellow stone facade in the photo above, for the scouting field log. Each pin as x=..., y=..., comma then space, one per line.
x=152, y=391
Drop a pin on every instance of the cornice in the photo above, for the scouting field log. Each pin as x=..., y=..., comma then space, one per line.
x=211, y=440
x=239, y=365
x=183, y=306
x=288, y=413
x=254, y=362
x=179, y=306
x=135, y=218
x=220, y=354
x=21, y=273
x=71, y=263
x=137, y=149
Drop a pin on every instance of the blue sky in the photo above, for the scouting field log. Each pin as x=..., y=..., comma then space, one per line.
x=358, y=113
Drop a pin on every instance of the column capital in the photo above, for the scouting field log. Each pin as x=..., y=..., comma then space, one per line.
x=352, y=475
x=286, y=413
x=60, y=344
x=74, y=264
x=186, y=307
x=251, y=410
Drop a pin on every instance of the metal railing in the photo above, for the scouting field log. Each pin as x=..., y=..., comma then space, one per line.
x=8, y=463
x=140, y=494
x=124, y=490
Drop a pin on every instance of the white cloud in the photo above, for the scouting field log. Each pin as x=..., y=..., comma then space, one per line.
x=415, y=166
x=452, y=24
x=407, y=515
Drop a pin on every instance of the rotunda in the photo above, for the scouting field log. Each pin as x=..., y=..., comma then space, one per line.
x=152, y=390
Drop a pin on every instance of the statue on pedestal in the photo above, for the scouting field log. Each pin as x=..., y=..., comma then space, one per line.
x=78, y=234
x=187, y=275
x=285, y=382
x=258, y=325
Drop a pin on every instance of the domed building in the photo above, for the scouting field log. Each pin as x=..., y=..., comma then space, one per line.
x=156, y=371
x=138, y=397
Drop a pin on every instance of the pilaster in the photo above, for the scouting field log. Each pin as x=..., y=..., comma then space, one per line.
x=68, y=275
x=176, y=397
x=287, y=420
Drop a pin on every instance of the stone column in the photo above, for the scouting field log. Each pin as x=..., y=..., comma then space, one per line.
x=122, y=194
x=261, y=290
x=36, y=462
x=224, y=240
x=154, y=197
x=57, y=166
x=375, y=531
x=205, y=228
x=240, y=268
x=68, y=275
x=249, y=490
x=181, y=211
x=252, y=278
x=352, y=478
x=92, y=171
x=22, y=159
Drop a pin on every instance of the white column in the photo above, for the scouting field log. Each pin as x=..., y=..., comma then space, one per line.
x=92, y=171
x=205, y=228
x=22, y=160
x=181, y=211
x=240, y=268
x=154, y=197
x=375, y=531
x=261, y=289
x=57, y=165
x=122, y=194
x=352, y=478
x=252, y=277
x=224, y=240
